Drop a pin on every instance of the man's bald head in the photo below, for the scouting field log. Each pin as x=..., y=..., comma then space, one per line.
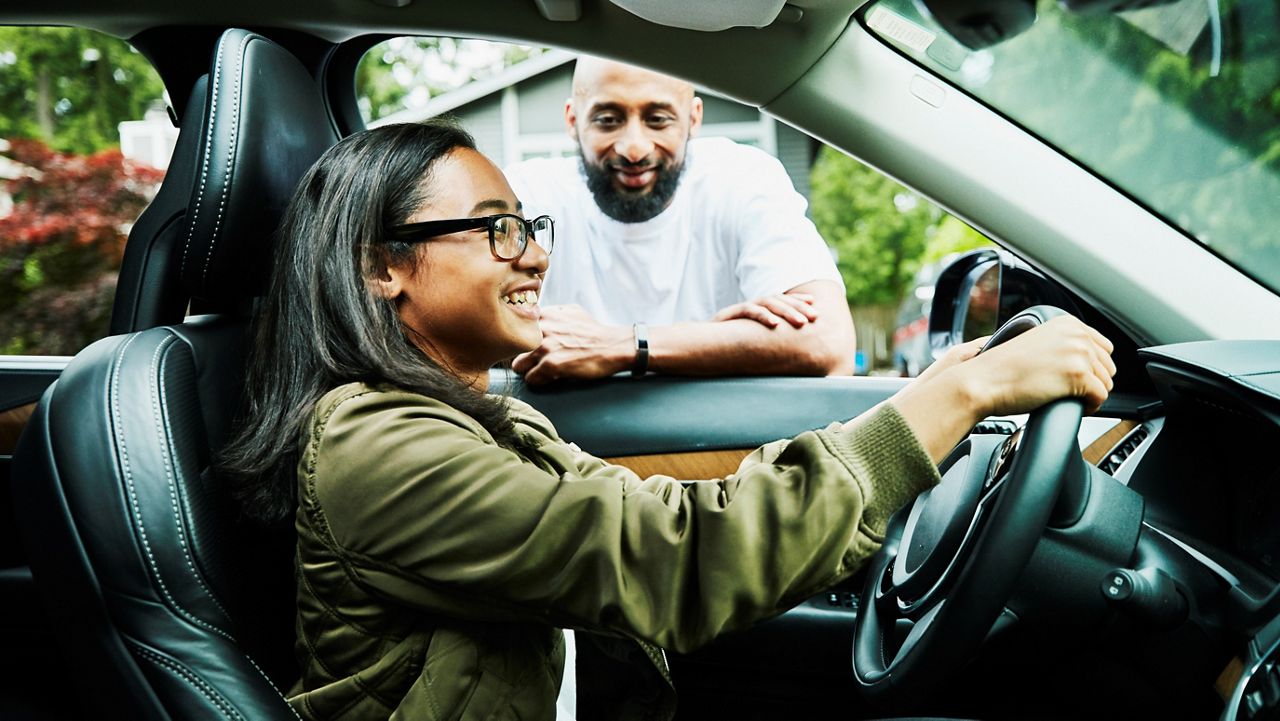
x=590, y=73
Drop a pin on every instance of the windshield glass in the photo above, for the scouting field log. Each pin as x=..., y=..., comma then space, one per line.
x=1177, y=105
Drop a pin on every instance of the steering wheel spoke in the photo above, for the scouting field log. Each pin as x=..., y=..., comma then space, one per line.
x=888, y=596
x=919, y=630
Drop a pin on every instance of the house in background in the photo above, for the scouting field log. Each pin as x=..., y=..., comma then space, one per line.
x=11, y=169
x=149, y=141
x=519, y=113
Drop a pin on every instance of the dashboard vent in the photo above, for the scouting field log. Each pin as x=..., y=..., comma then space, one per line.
x=1124, y=449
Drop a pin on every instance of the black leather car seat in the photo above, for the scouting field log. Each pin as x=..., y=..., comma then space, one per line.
x=168, y=605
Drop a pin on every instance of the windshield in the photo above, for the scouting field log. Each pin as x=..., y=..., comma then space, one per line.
x=1177, y=105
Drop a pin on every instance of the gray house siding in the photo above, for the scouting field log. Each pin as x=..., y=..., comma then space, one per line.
x=795, y=150
x=542, y=100
x=720, y=110
x=483, y=119
x=537, y=112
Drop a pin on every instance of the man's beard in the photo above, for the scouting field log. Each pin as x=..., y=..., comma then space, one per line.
x=625, y=206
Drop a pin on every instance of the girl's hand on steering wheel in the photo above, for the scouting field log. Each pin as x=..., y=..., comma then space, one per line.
x=1062, y=358
x=956, y=354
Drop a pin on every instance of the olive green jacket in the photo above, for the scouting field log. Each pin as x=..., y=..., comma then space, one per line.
x=436, y=567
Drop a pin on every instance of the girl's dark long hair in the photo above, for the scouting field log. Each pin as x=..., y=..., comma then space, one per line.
x=320, y=327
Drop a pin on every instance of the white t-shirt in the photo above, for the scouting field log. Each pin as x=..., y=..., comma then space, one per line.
x=567, y=701
x=736, y=230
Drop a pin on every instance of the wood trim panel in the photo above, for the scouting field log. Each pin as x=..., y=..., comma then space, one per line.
x=12, y=422
x=1229, y=679
x=1099, y=449
x=703, y=465
x=690, y=466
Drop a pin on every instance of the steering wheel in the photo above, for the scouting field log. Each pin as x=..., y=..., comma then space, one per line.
x=951, y=561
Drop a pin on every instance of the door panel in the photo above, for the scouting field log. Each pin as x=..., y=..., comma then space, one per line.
x=32, y=673
x=22, y=380
x=797, y=664
x=624, y=416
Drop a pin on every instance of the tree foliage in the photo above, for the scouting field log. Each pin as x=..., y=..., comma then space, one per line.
x=63, y=94
x=71, y=87
x=60, y=247
x=952, y=236
x=881, y=231
x=406, y=72
x=1176, y=107
x=877, y=227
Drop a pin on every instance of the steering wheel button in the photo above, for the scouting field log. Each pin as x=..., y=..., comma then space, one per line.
x=1117, y=587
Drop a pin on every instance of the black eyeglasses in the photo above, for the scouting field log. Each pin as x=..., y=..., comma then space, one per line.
x=508, y=234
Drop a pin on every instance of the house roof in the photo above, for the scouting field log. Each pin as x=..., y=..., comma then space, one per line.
x=454, y=99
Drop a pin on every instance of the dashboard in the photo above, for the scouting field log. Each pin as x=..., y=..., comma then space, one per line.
x=1210, y=468
x=1206, y=460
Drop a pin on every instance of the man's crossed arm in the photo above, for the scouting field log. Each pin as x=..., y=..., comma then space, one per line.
x=805, y=331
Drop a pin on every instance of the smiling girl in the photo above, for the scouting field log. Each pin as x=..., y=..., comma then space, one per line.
x=446, y=535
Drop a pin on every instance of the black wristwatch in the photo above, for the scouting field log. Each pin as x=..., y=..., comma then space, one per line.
x=640, y=365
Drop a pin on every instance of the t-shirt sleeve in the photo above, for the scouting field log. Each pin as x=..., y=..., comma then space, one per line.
x=778, y=246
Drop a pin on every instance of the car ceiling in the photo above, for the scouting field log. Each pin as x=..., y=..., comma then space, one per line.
x=754, y=65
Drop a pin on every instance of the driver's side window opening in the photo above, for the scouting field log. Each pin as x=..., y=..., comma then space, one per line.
x=84, y=142
x=888, y=242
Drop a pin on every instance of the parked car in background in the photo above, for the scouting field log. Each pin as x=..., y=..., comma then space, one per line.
x=911, y=351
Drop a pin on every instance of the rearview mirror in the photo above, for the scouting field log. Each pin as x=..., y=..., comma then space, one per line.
x=979, y=24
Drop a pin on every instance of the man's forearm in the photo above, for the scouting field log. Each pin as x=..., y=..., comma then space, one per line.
x=745, y=347
x=575, y=345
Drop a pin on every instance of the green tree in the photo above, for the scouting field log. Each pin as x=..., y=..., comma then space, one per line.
x=952, y=235
x=878, y=228
x=406, y=72
x=1183, y=119
x=882, y=234
x=60, y=247
x=71, y=87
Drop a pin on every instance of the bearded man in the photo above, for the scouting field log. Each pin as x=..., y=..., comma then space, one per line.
x=673, y=254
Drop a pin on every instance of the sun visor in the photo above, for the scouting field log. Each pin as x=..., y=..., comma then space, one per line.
x=705, y=15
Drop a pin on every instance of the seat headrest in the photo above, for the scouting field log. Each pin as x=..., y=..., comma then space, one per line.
x=266, y=125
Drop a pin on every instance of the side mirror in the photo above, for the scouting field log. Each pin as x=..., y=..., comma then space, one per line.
x=982, y=289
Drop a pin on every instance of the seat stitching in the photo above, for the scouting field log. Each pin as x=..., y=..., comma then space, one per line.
x=208, y=148
x=133, y=495
x=235, y=141
x=159, y=409
x=270, y=683
x=165, y=447
x=190, y=677
x=204, y=157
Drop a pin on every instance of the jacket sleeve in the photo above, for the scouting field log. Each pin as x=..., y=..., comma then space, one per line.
x=425, y=509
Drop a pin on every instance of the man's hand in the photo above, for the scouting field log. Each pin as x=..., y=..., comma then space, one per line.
x=576, y=345
x=769, y=311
